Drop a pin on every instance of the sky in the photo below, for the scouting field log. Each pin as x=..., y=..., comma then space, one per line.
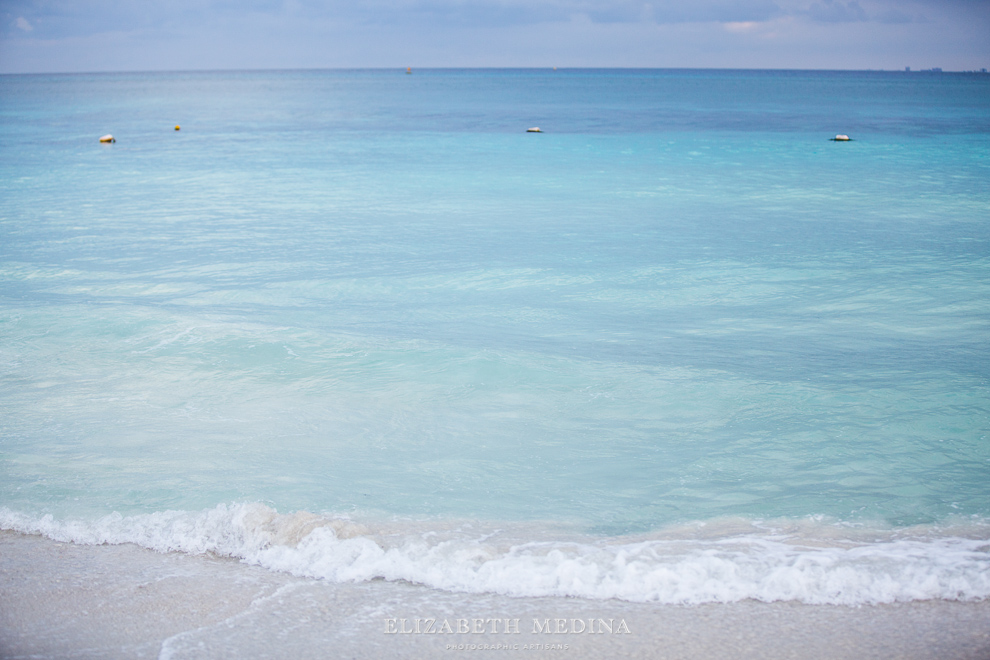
x=47, y=36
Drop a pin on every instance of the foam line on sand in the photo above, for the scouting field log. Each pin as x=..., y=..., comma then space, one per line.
x=61, y=600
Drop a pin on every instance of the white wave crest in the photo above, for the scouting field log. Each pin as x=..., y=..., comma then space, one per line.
x=763, y=566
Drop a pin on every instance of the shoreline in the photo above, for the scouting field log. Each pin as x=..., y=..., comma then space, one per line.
x=62, y=600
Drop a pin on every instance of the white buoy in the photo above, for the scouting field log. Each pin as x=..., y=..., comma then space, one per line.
x=107, y=138
x=535, y=129
x=840, y=138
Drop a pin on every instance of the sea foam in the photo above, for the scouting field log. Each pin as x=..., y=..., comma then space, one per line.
x=765, y=565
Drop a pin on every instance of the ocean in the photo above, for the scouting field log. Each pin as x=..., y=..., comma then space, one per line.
x=677, y=347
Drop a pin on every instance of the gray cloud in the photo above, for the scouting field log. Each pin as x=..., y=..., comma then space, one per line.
x=63, y=18
x=831, y=11
x=285, y=20
x=490, y=13
x=894, y=15
x=120, y=35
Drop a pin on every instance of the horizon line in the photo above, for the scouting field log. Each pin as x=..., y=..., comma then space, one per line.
x=488, y=68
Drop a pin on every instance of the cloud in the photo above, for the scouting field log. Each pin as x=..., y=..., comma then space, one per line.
x=80, y=18
x=113, y=35
x=831, y=11
x=489, y=13
x=66, y=18
x=893, y=16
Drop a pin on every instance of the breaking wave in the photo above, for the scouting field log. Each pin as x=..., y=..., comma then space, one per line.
x=812, y=562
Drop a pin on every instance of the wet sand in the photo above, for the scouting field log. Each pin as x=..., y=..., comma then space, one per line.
x=61, y=600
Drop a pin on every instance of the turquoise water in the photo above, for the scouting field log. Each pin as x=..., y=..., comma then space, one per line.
x=374, y=296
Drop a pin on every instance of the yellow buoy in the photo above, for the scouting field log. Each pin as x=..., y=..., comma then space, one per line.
x=107, y=138
x=176, y=127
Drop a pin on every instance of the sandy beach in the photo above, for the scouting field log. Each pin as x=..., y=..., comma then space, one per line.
x=72, y=601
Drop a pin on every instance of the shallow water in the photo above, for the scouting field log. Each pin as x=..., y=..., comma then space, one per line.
x=374, y=296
